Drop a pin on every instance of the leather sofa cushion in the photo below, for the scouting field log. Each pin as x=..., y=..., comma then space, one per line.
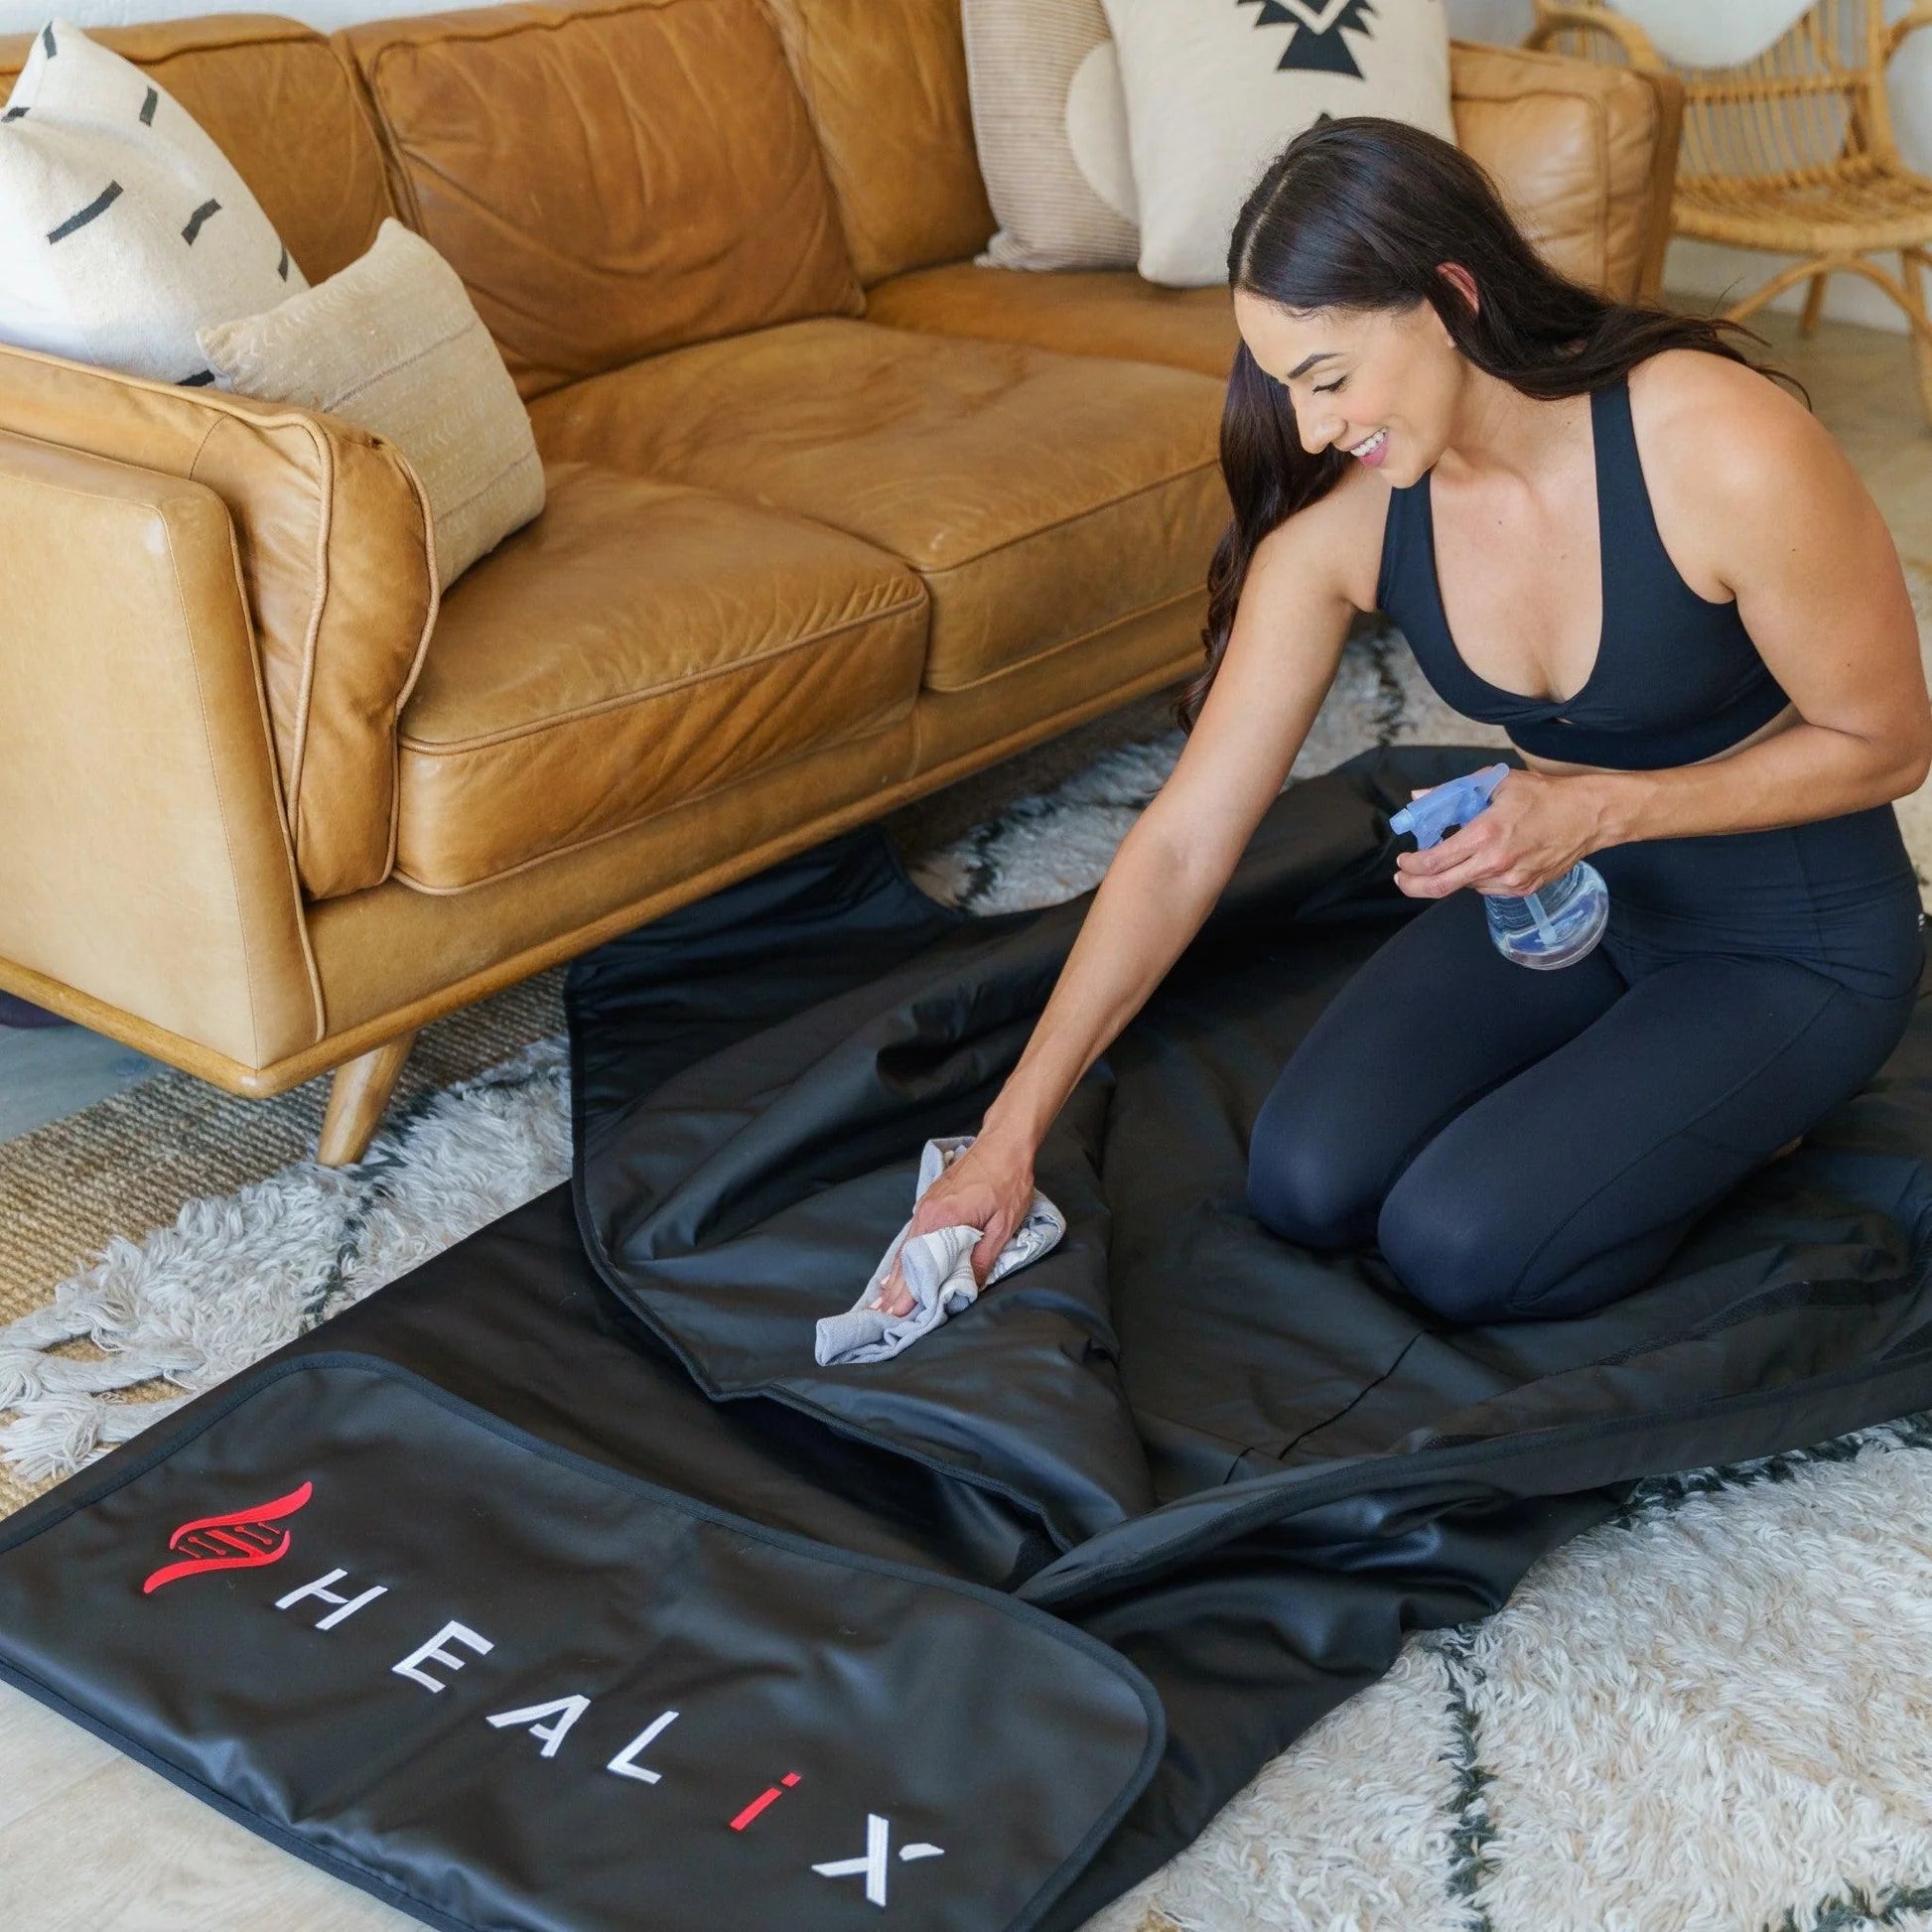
x=886, y=81
x=1084, y=312
x=332, y=541
x=610, y=179
x=639, y=645
x=1573, y=146
x=279, y=102
x=1041, y=496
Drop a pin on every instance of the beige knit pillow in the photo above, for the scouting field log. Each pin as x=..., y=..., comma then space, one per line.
x=1050, y=125
x=393, y=342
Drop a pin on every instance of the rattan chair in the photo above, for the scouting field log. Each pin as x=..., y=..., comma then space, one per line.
x=1792, y=151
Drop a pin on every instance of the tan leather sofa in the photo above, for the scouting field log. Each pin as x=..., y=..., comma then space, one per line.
x=834, y=516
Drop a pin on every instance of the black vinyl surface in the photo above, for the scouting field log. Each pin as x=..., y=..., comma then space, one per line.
x=993, y=1628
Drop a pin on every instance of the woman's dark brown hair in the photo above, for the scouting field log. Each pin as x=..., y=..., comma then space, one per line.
x=1358, y=213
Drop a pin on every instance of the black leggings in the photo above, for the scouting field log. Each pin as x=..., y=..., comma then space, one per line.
x=1522, y=1142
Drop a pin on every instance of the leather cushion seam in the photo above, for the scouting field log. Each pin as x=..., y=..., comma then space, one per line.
x=891, y=724
x=930, y=572
x=458, y=747
x=1066, y=644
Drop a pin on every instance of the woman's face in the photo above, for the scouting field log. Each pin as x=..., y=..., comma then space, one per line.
x=1379, y=384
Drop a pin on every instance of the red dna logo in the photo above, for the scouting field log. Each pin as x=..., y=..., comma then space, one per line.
x=243, y=1539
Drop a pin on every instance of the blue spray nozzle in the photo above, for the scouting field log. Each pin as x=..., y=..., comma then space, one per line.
x=1436, y=813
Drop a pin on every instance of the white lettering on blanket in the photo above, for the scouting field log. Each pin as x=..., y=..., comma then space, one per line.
x=878, y=1840
x=562, y=1713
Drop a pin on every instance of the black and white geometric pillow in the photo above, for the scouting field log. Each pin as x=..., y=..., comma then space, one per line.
x=123, y=228
x=1215, y=88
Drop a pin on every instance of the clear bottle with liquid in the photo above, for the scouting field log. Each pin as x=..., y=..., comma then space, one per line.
x=1555, y=926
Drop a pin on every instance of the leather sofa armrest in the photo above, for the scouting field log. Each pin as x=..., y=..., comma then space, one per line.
x=336, y=564
x=1583, y=150
x=146, y=862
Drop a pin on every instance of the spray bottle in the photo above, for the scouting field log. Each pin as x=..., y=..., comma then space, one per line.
x=1555, y=926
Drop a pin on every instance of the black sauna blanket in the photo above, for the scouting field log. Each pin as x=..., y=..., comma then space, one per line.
x=555, y=1586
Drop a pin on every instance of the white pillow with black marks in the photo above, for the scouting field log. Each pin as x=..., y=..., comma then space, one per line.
x=1215, y=88
x=123, y=228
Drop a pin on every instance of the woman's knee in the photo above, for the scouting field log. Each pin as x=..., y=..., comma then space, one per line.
x=1466, y=1235
x=1478, y=1253
x=1455, y=1250
x=1304, y=1182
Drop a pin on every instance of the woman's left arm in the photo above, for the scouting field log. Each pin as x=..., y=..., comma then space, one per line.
x=1777, y=511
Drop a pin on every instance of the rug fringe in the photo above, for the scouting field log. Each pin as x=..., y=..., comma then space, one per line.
x=237, y=1276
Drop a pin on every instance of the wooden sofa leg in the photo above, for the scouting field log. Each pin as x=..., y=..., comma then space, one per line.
x=360, y=1093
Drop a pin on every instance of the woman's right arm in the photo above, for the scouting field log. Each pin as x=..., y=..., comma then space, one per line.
x=1286, y=642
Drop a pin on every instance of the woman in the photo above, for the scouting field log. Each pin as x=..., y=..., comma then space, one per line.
x=1600, y=527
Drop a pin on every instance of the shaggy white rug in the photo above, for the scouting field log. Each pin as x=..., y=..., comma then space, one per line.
x=1714, y=1712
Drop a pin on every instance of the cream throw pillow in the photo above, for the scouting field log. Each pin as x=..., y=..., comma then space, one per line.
x=394, y=343
x=1051, y=126
x=1215, y=88
x=123, y=228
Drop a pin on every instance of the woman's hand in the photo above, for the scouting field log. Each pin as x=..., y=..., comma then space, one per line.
x=1533, y=830
x=989, y=1186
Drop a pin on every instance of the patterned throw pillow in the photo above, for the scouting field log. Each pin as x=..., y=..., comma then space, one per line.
x=1216, y=88
x=1051, y=126
x=394, y=343
x=123, y=228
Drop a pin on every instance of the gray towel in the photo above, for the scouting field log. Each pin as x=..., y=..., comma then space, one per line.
x=938, y=1270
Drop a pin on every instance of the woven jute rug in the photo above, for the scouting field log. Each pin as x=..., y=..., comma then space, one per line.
x=1711, y=1711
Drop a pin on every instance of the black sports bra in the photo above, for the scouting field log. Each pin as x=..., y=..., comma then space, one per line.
x=1677, y=676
